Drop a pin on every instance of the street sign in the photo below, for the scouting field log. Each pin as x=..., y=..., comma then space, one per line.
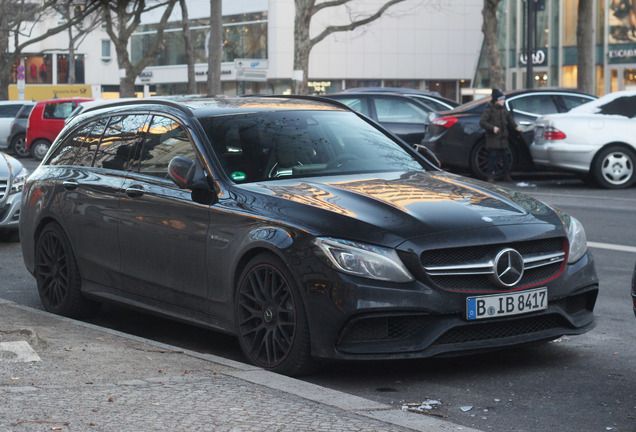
x=250, y=64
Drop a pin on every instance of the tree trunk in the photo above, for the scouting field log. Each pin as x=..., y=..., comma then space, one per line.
x=303, y=45
x=585, y=47
x=489, y=29
x=215, y=48
x=187, y=39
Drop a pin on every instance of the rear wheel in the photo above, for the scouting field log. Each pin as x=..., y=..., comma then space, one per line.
x=271, y=321
x=479, y=161
x=18, y=146
x=39, y=148
x=613, y=167
x=57, y=275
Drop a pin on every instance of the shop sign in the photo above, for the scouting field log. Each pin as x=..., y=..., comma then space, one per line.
x=539, y=58
x=622, y=53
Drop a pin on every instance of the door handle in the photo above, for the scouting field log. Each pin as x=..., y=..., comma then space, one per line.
x=525, y=123
x=70, y=184
x=135, y=191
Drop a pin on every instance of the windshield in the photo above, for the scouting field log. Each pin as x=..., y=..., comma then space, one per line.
x=261, y=146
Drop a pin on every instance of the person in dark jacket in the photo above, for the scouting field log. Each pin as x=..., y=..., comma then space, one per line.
x=497, y=122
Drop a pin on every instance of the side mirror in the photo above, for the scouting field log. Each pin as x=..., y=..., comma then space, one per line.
x=186, y=174
x=428, y=155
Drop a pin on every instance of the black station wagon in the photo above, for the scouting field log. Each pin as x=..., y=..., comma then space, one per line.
x=302, y=227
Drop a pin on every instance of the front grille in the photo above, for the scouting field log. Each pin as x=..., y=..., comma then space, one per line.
x=4, y=184
x=478, y=260
x=497, y=330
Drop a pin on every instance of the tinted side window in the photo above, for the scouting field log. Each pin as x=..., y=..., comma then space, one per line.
x=59, y=110
x=64, y=154
x=399, y=111
x=9, y=111
x=25, y=111
x=535, y=104
x=165, y=139
x=358, y=104
x=120, y=137
x=572, y=101
x=86, y=153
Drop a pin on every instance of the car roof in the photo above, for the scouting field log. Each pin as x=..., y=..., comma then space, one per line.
x=204, y=106
x=392, y=90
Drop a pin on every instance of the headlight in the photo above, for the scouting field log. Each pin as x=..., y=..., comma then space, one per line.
x=18, y=181
x=577, y=239
x=364, y=260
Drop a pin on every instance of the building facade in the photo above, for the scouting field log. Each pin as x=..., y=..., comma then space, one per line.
x=555, y=56
x=422, y=44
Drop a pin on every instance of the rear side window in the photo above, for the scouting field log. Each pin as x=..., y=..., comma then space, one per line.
x=399, y=111
x=123, y=133
x=9, y=111
x=86, y=153
x=25, y=111
x=58, y=110
x=534, y=104
x=64, y=154
x=358, y=104
x=165, y=139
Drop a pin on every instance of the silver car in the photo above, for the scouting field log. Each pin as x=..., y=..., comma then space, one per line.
x=12, y=178
x=596, y=139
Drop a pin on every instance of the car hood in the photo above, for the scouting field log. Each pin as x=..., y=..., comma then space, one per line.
x=8, y=166
x=391, y=208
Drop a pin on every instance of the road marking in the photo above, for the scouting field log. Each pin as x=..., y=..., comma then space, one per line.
x=612, y=247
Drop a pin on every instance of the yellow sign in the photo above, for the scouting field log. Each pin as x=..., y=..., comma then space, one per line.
x=44, y=92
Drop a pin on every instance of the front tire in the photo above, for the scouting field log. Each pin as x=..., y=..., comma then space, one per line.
x=39, y=148
x=18, y=146
x=272, y=325
x=58, y=277
x=614, y=167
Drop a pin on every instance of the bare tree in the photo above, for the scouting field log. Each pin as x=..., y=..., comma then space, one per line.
x=78, y=32
x=215, y=48
x=489, y=28
x=189, y=46
x=122, y=17
x=18, y=21
x=585, y=46
x=305, y=11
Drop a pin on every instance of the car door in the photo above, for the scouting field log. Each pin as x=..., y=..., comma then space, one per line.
x=89, y=198
x=162, y=231
x=7, y=114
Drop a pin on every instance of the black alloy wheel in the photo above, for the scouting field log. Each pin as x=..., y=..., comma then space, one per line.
x=272, y=326
x=57, y=275
x=479, y=161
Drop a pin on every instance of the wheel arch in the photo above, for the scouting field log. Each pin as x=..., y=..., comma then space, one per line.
x=621, y=144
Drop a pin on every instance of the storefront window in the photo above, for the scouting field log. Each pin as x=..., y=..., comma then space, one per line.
x=38, y=69
x=63, y=69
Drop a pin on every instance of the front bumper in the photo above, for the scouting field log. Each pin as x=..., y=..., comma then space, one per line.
x=353, y=321
x=10, y=212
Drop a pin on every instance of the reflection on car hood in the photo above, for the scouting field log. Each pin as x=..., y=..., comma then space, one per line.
x=8, y=164
x=405, y=205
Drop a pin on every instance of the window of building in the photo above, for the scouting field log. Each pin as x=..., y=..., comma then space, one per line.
x=106, y=51
x=244, y=36
x=65, y=66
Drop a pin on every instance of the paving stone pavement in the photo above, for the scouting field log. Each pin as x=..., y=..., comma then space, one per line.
x=81, y=377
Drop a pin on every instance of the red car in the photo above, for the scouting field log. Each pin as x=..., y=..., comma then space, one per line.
x=45, y=123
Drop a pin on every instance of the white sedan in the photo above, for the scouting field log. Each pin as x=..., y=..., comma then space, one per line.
x=12, y=177
x=597, y=138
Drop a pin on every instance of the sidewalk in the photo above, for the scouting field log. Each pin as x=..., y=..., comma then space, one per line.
x=66, y=375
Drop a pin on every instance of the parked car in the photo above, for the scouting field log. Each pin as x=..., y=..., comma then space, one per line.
x=460, y=143
x=12, y=177
x=433, y=99
x=17, y=131
x=406, y=117
x=300, y=226
x=45, y=123
x=596, y=139
x=8, y=112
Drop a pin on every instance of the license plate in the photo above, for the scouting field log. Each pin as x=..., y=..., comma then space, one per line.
x=492, y=306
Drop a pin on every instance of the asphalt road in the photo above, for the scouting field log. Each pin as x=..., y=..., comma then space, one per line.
x=578, y=384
